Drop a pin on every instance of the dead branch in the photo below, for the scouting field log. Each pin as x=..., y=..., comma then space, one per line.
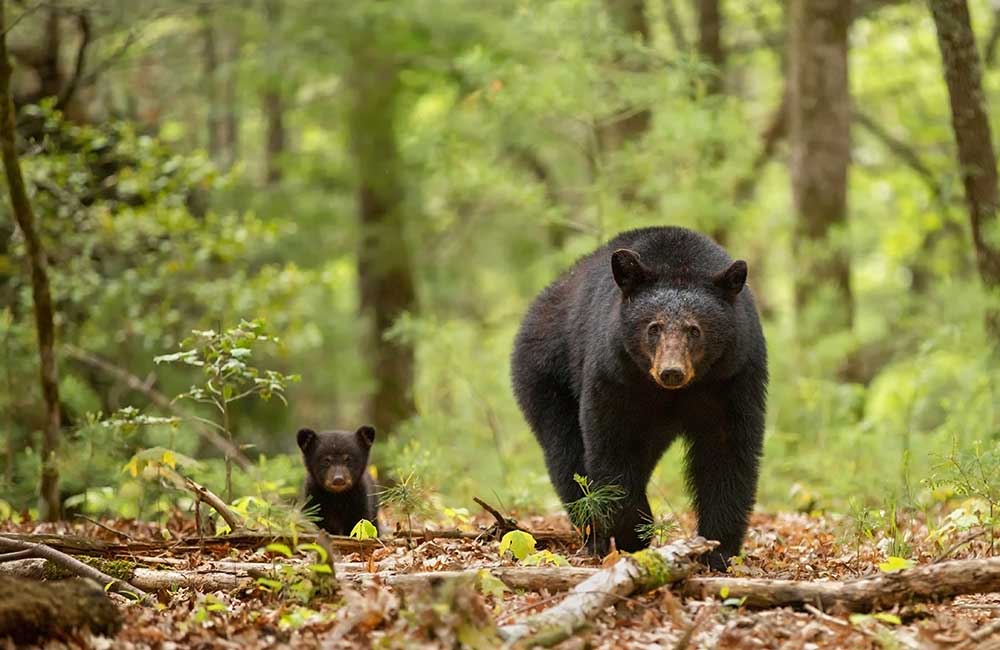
x=503, y=524
x=70, y=564
x=641, y=572
x=930, y=582
x=203, y=494
x=69, y=90
x=159, y=399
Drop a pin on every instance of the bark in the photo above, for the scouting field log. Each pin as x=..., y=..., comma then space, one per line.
x=210, y=83
x=204, y=495
x=68, y=91
x=976, y=156
x=630, y=123
x=32, y=611
x=819, y=120
x=385, y=270
x=775, y=131
x=48, y=492
x=927, y=583
x=636, y=573
x=274, y=115
x=675, y=25
x=70, y=564
x=710, y=44
x=273, y=103
x=229, y=137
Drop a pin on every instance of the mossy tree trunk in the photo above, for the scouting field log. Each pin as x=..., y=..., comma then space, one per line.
x=385, y=270
x=819, y=121
x=48, y=493
x=971, y=125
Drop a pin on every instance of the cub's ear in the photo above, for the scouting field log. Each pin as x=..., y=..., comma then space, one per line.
x=629, y=271
x=367, y=435
x=306, y=438
x=731, y=280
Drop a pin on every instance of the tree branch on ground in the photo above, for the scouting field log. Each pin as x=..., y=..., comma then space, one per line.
x=70, y=564
x=636, y=573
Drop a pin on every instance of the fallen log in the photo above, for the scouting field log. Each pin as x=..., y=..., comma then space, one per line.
x=636, y=573
x=929, y=582
x=71, y=564
x=31, y=611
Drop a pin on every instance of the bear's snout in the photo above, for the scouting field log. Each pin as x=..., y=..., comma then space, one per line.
x=672, y=377
x=337, y=480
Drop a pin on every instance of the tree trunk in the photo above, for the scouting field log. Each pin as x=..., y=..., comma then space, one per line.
x=819, y=120
x=229, y=135
x=385, y=271
x=976, y=157
x=629, y=124
x=710, y=44
x=274, y=112
x=210, y=60
x=48, y=492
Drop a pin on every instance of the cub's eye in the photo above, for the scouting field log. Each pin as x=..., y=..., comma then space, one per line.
x=694, y=331
x=328, y=459
x=345, y=458
x=654, y=330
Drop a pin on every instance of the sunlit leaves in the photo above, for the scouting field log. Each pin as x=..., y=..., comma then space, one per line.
x=364, y=530
x=520, y=544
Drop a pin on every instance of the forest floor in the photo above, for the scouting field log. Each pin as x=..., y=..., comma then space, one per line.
x=374, y=614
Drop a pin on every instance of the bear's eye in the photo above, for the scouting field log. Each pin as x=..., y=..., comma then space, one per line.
x=654, y=330
x=345, y=458
x=694, y=331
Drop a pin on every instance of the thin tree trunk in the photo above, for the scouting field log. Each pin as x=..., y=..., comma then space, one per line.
x=971, y=125
x=819, y=120
x=274, y=112
x=385, y=271
x=710, y=44
x=675, y=25
x=210, y=60
x=230, y=134
x=48, y=492
x=630, y=123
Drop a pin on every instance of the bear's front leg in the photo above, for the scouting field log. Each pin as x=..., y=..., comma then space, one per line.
x=619, y=450
x=723, y=464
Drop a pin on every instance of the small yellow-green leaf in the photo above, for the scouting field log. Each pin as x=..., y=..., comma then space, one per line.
x=519, y=543
x=886, y=617
x=893, y=564
x=724, y=592
x=279, y=548
x=320, y=568
x=169, y=459
x=323, y=556
x=364, y=530
x=490, y=585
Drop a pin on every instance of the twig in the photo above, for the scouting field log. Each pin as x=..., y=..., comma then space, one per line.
x=699, y=618
x=71, y=564
x=504, y=524
x=156, y=397
x=205, y=495
x=15, y=555
x=105, y=527
x=960, y=543
x=981, y=634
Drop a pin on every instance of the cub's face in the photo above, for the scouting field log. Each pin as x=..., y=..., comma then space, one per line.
x=336, y=459
x=675, y=331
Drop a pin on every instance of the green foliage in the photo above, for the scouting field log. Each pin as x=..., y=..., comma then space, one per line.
x=597, y=505
x=297, y=582
x=364, y=530
x=658, y=530
x=519, y=543
x=545, y=557
x=408, y=496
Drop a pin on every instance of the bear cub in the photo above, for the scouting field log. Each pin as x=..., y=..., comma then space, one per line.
x=337, y=478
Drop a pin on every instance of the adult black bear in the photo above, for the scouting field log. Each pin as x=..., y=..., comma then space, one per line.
x=652, y=336
x=337, y=478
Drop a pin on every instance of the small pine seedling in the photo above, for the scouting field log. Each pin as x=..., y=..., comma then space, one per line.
x=597, y=505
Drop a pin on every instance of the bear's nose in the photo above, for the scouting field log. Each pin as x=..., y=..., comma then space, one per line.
x=339, y=481
x=672, y=376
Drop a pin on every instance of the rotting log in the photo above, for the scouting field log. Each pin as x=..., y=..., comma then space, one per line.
x=930, y=582
x=635, y=573
x=31, y=611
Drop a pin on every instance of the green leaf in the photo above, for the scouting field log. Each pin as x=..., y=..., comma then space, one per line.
x=894, y=563
x=544, y=557
x=320, y=568
x=364, y=530
x=490, y=585
x=886, y=617
x=323, y=556
x=279, y=548
x=519, y=543
x=724, y=592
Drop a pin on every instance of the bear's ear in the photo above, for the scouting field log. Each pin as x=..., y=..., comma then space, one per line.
x=731, y=280
x=367, y=435
x=306, y=438
x=629, y=271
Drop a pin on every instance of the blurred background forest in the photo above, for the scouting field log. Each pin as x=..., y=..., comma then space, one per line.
x=388, y=184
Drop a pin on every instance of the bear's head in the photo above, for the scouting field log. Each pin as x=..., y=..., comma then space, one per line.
x=676, y=327
x=336, y=460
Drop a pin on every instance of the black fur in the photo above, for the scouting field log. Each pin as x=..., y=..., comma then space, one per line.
x=583, y=375
x=338, y=460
